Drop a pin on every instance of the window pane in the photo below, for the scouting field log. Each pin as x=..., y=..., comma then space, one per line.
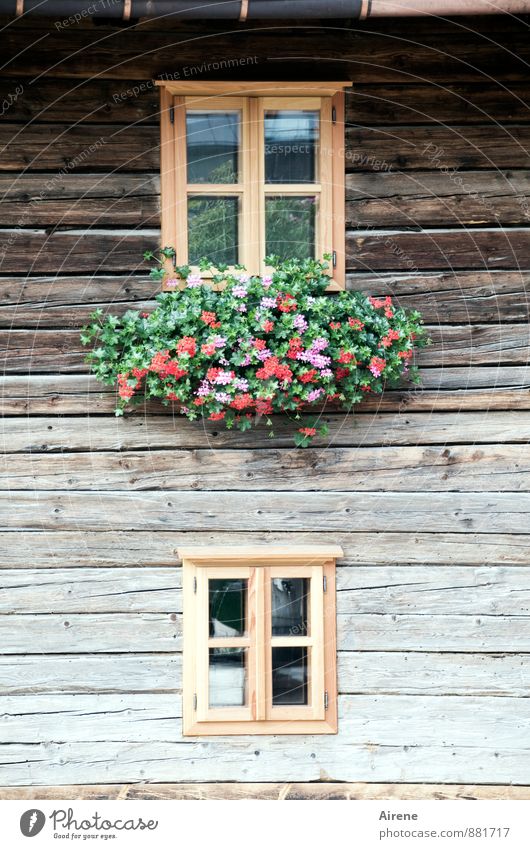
x=213, y=228
x=228, y=602
x=227, y=678
x=290, y=597
x=289, y=676
x=290, y=226
x=213, y=146
x=291, y=145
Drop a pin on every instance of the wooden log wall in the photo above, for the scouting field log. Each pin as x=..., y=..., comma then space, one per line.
x=427, y=490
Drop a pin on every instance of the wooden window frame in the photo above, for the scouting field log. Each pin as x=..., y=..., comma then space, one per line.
x=253, y=98
x=259, y=565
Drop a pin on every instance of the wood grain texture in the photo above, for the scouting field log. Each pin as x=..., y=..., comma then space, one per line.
x=371, y=52
x=270, y=791
x=41, y=351
x=361, y=590
x=403, y=750
x=483, y=388
x=466, y=468
x=107, y=548
x=48, y=433
x=431, y=249
x=464, y=296
x=443, y=297
x=77, y=633
x=91, y=147
x=398, y=148
x=369, y=673
x=302, y=512
x=435, y=199
x=91, y=200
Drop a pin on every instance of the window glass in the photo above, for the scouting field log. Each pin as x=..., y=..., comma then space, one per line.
x=213, y=229
x=213, y=143
x=290, y=226
x=227, y=607
x=290, y=676
x=227, y=677
x=291, y=146
x=290, y=598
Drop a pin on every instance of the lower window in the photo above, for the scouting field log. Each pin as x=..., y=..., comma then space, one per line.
x=259, y=640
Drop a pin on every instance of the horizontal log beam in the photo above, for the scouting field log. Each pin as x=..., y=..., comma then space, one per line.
x=109, y=548
x=441, y=389
x=270, y=791
x=303, y=512
x=466, y=468
x=162, y=432
x=368, y=673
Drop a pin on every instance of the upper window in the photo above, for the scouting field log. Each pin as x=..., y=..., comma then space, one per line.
x=253, y=169
x=259, y=640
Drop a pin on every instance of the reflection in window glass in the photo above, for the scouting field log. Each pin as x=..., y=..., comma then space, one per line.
x=290, y=676
x=227, y=607
x=291, y=146
x=290, y=226
x=213, y=229
x=212, y=146
x=290, y=598
x=227, y=677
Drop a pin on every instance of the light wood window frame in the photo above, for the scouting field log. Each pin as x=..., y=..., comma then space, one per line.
x=259, y=566
x=253, y=99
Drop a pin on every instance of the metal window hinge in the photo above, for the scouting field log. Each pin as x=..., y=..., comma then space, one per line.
x=326, y=700
x=333, y=115
x=325, y=584
x=172, y=114
x=194, y=584
x=334, y=259
x=195, y=701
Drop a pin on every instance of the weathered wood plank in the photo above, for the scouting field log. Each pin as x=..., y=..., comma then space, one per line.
x=361, y=590
x=435, y=147
x=431, y=249
x=478, y=344
x=435, y=632
x=366, y=250
x=372, y=52
x=50, y=633
x=91, y=200
x=131, y=717
x=81, y=147
x=106, y=548
x=430, y=739
x=419, y=673
x=458, y=103
x=127, y=673
x=49, y=350
x=144, y=589
x=94, y=633
x=422, y=589
x=134, y=432
x=466, y=468
x=270, y=791
x=494, y=296
x=464, y=296
x=76, y=250
x=46, y=292
x=235, y=511
x=90, y=100
x=441, y=390
x=370, y=673
x=436, y=199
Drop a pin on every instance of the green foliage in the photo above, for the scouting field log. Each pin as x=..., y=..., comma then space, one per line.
x=258, y=346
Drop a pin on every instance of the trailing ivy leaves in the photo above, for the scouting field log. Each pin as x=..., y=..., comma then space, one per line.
x=237, y=348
